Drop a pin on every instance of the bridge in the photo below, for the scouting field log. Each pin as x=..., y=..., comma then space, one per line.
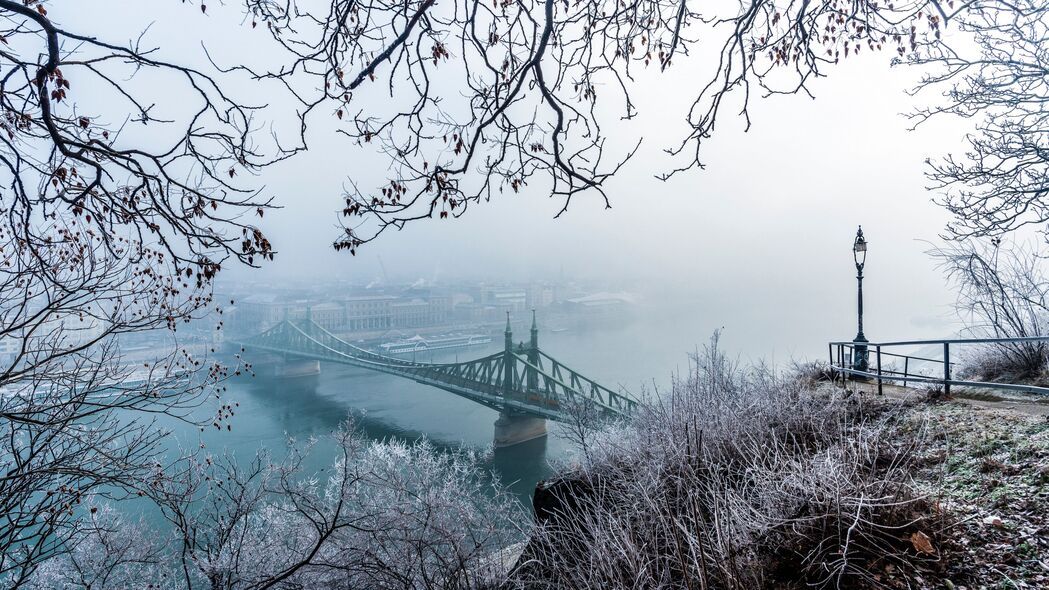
x=524, y=384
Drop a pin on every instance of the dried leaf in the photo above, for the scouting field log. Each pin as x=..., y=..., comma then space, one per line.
x=922, y=543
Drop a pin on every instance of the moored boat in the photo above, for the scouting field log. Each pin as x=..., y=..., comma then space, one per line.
x=418, y=344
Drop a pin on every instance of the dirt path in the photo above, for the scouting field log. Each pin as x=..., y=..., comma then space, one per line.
x=981, y=398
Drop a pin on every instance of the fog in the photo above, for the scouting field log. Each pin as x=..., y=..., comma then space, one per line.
x=758, y=242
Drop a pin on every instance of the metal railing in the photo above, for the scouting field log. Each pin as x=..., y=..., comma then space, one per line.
x=842, y=363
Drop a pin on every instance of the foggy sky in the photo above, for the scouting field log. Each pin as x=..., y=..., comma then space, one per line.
x=758, y=242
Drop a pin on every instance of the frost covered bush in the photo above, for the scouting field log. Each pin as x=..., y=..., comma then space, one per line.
x=1019, y=363
x=735, y=478
x=1002, y=292
x=109, y=552
x=386, y=515
x=812, y=373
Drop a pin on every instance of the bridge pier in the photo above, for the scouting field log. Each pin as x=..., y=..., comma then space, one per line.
x=296, y=368
x=512, y=428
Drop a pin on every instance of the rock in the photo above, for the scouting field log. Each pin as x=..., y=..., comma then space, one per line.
x=556, y=498
x=555, y=502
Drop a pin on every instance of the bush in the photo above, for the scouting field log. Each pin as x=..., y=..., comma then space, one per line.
x=735, y=479
x=812, y=373
x=1002, y=293
x=385, y=515
x=1021, y=362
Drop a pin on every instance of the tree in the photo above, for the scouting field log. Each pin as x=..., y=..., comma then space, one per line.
x=103, y=234
x=1002, y=293
x=1000, y=184
x=469, y=100
x=481, y=98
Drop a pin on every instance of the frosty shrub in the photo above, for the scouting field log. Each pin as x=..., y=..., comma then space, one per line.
x=736, y=478
x=386, y=515
x=1002, y=292
x=812, y=373
x=108, y=552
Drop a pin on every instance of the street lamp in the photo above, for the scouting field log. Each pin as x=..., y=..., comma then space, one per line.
x=859, y=256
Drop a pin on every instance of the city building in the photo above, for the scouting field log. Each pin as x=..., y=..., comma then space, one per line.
x=600, y=304
x=512, y=299
x=258, y=312
x=541, y=295
x=413, y=313
x=368, y=312
x=330, y=315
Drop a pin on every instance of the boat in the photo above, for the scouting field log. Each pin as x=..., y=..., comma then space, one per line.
x=417, y=343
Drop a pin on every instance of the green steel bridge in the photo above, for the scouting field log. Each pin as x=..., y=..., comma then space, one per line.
x=521, y=381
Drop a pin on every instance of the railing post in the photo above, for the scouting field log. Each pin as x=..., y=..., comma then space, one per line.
x=841, y=363
x=946, y=369
x=906, y=370
x=846, y=364
x=878, y=353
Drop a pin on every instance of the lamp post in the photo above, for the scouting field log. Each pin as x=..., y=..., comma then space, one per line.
x=859, y=256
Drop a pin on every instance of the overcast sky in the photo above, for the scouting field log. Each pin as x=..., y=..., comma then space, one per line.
x=761, y=238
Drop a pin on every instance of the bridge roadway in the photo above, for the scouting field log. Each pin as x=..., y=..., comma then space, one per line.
x=523, y=383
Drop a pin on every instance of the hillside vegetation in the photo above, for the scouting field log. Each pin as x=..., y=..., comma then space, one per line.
x=739, y=478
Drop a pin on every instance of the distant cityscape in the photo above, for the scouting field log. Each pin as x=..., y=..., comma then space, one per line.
x=376, y=312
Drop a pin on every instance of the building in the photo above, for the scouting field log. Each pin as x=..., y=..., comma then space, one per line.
x=259, y=312
x=330, y=316
x=512, y=299
x=600, y=304
x=367, y=312
x=413, y=313
x=541, y=295
x=409, y=309
x=10, y=348
x=440, y=309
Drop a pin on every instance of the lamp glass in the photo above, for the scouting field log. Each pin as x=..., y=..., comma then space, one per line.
x=859, y=248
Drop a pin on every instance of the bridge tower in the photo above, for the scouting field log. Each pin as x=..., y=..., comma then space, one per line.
x=294, y=366
x=508, y=358
x=533, y=356
x=512, y=428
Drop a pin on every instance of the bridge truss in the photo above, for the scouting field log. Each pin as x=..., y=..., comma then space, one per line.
x=521, y=379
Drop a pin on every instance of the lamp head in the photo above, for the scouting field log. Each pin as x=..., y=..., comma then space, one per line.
x=859, y=248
